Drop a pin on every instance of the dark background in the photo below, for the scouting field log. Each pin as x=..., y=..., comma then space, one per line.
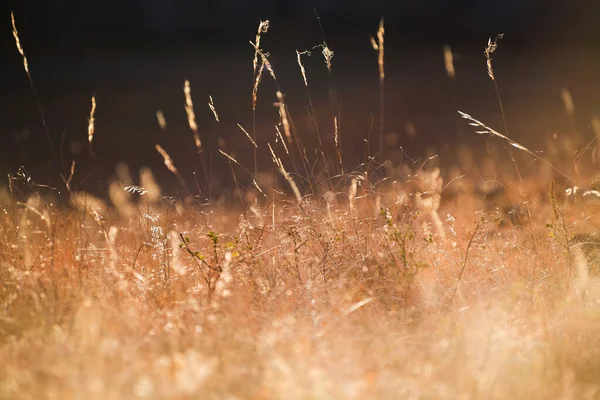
x=135, y=54
x=60, y=20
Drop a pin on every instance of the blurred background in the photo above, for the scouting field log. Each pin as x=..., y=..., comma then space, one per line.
x=135, y=55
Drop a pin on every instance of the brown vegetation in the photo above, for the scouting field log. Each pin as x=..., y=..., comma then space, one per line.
x=470, y=281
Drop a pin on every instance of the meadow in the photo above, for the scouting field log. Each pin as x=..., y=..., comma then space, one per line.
x=417, y=280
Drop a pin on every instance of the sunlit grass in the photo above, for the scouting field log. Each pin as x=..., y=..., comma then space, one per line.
x=310, y=300
x=388, y=282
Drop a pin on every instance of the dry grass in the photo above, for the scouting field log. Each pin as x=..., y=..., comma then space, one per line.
x=294, y=301
x=410, y=287
x=378, y=46
x=92, y=122
x=191, y=115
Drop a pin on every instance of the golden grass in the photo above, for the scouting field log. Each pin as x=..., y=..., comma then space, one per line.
x=407, y=287
x=286, y=175
x=92, y=122
x=191, y=115
x=280, y=138
x=489, y=49
x=162, y=121
x=449, y=62
x=565, y=94
x=321, y=302
x=18, y=42
x=211, y=105
x=302, y=69
x=283, y=114
x=168, y=161
x=378, y=46
x=248, y=136
x=263, y=27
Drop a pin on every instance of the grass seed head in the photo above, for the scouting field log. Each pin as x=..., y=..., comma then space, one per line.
x=92, y=121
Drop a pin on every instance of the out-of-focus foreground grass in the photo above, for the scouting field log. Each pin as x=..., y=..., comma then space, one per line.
x=377, y=291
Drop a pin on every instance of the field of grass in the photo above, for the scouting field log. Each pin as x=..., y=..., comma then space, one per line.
x=421, y=281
